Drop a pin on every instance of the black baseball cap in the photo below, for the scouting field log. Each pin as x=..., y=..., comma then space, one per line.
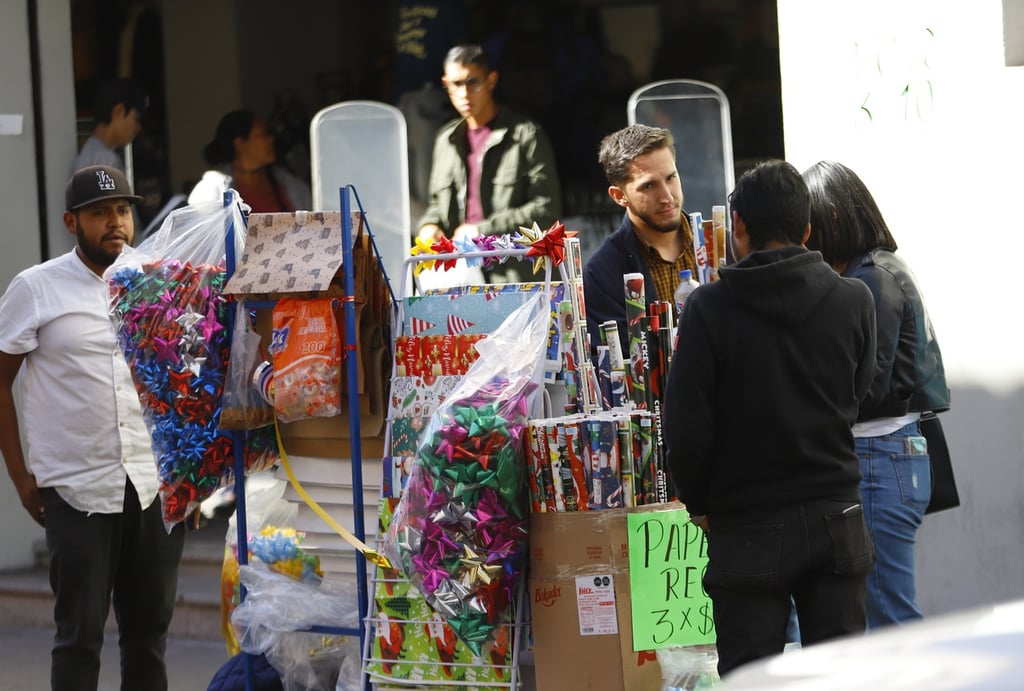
x=95, y=183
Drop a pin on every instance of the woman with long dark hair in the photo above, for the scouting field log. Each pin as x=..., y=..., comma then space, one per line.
x=848, y=229
x=241, y=156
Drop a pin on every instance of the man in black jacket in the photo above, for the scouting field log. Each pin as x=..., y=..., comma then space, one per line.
x=654, y=238
x=772, y=363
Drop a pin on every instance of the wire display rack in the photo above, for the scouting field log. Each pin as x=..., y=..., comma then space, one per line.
x=436, y=659
x=346, y=194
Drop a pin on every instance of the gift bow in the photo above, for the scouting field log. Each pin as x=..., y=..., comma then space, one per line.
x=444, y=246
x=422, y=246
x=549, y=245
x=426, y=246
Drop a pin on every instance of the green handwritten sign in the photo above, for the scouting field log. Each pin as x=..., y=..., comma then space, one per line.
x=667, y=559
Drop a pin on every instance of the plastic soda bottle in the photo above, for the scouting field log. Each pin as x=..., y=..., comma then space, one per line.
x=687, y=285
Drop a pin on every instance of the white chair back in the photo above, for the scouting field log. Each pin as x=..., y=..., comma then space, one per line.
x=697, y=115
x=363, y=144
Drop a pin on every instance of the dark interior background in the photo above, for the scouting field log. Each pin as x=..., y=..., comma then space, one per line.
x=571, y=64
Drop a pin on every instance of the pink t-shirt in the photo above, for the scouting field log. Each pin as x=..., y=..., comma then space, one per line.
x=474, y=169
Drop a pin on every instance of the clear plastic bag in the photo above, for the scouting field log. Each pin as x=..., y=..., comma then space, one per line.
x=691, y=668
x=243, y=406
x=459, y=530
x=274, y=618
x=168, y=310
x=265, y=506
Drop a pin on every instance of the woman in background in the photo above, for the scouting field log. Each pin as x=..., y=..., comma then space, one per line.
x=241, y=156
x=849, y=231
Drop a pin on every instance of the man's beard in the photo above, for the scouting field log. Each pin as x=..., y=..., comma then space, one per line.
x=669, y=226
x=95, y=252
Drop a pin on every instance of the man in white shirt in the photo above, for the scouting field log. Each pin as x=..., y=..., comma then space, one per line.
x=87, y=473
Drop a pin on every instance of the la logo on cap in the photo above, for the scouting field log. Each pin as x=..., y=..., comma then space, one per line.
x=106, y=183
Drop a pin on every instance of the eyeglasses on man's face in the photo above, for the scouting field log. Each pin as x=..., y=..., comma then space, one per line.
x=473, y=85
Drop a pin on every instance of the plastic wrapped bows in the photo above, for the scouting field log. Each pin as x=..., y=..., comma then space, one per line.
x=170, y=319
x=280, y=549
x=169, y=314
x=459, y=532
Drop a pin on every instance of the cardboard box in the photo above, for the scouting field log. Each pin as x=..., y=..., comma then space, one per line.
x=580, y=604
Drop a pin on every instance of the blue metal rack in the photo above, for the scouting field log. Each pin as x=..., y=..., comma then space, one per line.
x=359, y=529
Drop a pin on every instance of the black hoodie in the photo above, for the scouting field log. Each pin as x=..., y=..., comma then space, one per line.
x=773, y=361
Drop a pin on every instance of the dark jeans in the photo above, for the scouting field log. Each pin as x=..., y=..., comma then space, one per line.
x=818, y=554
x=129, y=556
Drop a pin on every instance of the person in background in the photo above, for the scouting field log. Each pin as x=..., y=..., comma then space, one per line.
x=87, y=474
x=241, y=156
x=118, y=106
x=773, y=361
x=654, y=238
x=493, y=170
x=848, y=229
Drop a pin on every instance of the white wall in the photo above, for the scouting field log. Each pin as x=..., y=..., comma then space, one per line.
x=21, y=224
x=941, y=152
x=1013, y=31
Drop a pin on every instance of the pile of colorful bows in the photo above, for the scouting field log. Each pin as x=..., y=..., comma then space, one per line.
x=459, y=532
x=170, y=318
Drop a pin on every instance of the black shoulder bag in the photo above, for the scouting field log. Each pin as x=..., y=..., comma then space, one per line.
x=944, y=492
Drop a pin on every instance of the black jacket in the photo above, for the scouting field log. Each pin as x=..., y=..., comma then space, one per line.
x=604, y=295
x=772, y=364
x=909, y=376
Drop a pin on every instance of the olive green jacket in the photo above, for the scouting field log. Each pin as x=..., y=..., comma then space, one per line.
x=518, y=186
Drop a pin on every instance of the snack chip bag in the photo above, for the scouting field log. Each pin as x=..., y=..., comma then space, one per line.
x=306, y=349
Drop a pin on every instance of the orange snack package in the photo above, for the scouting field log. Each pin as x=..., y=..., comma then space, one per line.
x=306, y=349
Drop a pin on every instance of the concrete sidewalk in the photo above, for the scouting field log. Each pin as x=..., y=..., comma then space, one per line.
x=25, y=661
x=195, y=649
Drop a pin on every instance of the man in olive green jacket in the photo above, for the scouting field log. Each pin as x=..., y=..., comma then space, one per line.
x=493, y=170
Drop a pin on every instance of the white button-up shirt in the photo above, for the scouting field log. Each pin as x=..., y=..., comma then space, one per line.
x=81, y=417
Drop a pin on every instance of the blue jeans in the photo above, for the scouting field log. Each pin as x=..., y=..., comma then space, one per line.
x=895, y=490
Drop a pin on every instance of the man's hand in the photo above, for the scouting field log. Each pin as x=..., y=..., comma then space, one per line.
x=465, y=231
x=28, y=492
x=10, y=439
x=700, y=521
x=430, y=233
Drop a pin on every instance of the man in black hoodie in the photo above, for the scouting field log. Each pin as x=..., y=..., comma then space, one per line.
x=772, y=363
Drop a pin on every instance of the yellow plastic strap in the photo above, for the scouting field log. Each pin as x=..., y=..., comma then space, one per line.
x=371, y=555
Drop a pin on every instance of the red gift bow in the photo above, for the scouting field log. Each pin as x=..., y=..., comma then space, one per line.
x=550, y=244
x=444, y=246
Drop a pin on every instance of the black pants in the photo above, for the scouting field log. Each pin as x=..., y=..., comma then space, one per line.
x=127, y=556
x=818, y=554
